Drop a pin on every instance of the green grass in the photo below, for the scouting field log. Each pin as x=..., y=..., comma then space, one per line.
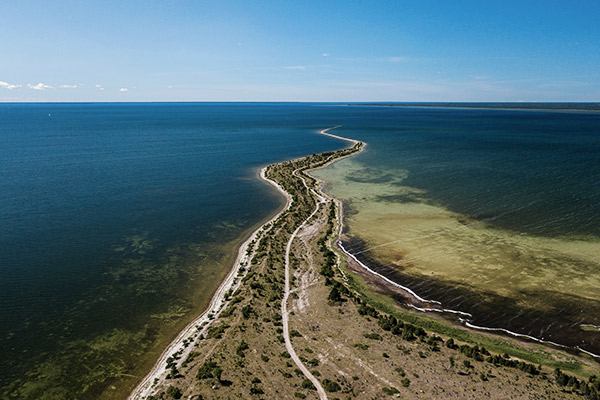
x=589, y=328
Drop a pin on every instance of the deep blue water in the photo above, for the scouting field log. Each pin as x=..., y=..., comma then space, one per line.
x=80, y=180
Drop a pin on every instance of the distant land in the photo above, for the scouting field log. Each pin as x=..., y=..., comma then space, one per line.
x=499, y=105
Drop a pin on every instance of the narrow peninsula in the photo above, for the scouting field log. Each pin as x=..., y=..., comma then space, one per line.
x=298, y=318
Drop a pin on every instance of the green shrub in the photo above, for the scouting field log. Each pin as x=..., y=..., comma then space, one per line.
x=373, y=336
x=331, y=386
x=174, y=392
x=256, y=390
x=208, y=370
x=307, y=384
x=241, y=348
x=216, y=331
x=390, y=390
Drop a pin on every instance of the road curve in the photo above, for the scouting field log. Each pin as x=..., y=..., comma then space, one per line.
x=286, y=294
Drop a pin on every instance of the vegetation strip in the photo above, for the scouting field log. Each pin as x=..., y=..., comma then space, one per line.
x=284, y=310
x=180, y=345
x=342, y=332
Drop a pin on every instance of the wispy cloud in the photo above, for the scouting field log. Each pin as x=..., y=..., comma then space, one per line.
x=68, y=86
x=39, y=86
x=8, y=86
x=296, y=67
x=325, y=54
x=396, y=59
x=123, y=89
x=391, y=59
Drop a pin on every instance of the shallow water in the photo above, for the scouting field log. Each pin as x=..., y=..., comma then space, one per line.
x=493, y=212
x=120, y=220
x=118, y=223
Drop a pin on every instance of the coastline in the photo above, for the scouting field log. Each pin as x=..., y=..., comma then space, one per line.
x=218, y=302
x=459, y=317
x=180, y=346
x=423, y=304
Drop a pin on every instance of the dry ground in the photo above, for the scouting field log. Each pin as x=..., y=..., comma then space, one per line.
x=331, y=339
x=243, y=355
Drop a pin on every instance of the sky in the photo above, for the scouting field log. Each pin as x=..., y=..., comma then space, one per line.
x=280, y=50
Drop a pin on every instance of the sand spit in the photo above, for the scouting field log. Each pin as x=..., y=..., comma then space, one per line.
x=184, y=342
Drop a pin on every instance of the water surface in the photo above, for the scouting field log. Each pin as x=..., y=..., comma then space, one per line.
x=490, y=211
x=118, y=223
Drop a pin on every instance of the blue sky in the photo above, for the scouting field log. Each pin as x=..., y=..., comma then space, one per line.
x=300, y=50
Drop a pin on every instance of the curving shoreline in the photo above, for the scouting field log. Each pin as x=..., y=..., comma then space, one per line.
x=181, y=344
x=435, y=305
x=199, y=325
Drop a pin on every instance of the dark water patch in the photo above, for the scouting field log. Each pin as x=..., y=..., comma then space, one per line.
x=400, y=198
x=373, y=177
x=544, y=314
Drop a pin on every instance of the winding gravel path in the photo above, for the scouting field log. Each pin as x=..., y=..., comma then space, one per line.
x=157, y=375
x=286, y=294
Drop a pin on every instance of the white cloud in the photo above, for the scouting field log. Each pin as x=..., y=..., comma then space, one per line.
x=123, y=89
x=98, y=86
x=68, y=86
x=39, y=86
x=325, y=54
x=8, y=86
x=101, y=88
x=170, y=86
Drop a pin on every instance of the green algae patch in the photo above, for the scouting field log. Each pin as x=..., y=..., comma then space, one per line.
x=448, y=255
x=148, y=294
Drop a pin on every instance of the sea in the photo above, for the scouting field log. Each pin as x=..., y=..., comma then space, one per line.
x=120, y=220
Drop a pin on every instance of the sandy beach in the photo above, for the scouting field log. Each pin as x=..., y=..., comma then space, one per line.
x=183, y=344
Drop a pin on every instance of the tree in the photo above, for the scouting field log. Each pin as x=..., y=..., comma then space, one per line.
x=208, y=370
x=331, y=386
x=334, y=295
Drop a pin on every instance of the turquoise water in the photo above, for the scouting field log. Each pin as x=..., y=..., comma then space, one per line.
x=493, y=212
x=119, y=220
